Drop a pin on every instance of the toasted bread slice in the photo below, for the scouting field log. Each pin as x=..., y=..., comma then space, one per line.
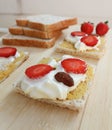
x=76, y=98
x=66, y=47
x=4, y=73
x=20, y=40
x=18, y=30
x=46, y=22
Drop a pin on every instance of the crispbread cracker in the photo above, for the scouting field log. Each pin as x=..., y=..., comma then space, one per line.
x=12, y=66
x=75, y=99
x=68, y=48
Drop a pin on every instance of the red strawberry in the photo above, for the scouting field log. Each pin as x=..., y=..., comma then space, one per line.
x=102, y=28
x=7, y=51
x=38, y=71
x=74, y=65
x=78, y=33
x=87, y=27
x=89, y=40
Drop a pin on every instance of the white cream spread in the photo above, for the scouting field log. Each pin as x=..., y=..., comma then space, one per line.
x=47, y=19
x=48, y=87
x=80, y=46
x=5, y=61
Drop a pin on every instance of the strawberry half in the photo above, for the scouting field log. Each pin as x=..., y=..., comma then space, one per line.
x=7, y=51
x=102, y=28
x=38, y=71
x=74, y=65
x=89, y=40
x=77, y=33
x=87, y=27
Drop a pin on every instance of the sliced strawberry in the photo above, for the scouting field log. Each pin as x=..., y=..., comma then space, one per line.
x=89, y=40
x=38, y=71
x=7, y=51
x=74, y=65
x=77, y=33
x=102, y=28
x=87, y=27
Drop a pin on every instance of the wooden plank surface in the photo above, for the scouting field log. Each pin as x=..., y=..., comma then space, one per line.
x=18, y=112
x=98, y=112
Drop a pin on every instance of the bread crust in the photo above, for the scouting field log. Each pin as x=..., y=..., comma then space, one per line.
x=52, y=27
x=17, y=30
x=26, y=41
x=22, y=22
x=47, y=27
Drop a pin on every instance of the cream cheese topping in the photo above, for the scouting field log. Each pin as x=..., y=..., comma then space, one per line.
x=5, y=61
x=48, y=87
x=80, y=46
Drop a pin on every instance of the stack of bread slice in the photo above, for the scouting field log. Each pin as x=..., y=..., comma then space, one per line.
x=38, y=31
